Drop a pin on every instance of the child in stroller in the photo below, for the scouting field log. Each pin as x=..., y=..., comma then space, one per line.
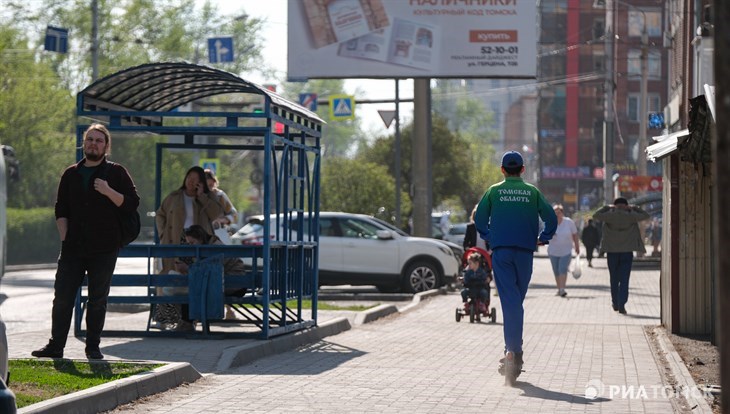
x=476, y=278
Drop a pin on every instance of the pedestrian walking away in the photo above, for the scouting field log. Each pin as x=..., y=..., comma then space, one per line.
x=559, y=250
x=87, y=217
x=507, y=219
x=591, y=238
x=620, y=239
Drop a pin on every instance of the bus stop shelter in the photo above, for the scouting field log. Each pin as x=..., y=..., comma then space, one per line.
x=190, y=107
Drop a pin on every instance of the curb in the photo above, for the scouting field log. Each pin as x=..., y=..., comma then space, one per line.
x=244, y=354
x=109, y=396
x=681, y=374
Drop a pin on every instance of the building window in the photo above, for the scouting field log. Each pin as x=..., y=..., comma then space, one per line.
x=632, y=107
x=599, y=61
x=653, y=23
x=599, y=27
x=653, y=68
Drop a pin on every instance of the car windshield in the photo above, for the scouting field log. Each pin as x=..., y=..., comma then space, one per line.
x=390, y=227
x=251, y=228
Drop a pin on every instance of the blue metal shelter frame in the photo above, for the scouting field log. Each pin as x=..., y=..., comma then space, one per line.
x=147, y=98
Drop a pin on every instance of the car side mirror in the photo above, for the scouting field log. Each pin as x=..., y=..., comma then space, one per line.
x=384, y=234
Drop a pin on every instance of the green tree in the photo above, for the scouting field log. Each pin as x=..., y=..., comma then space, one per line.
x=357, y=187
x=36, y=114
x=452, y=164
x=133, y=32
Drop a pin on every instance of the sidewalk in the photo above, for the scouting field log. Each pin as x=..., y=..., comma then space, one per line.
x=580, y=356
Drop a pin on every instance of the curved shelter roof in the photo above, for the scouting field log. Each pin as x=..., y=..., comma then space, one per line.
x=163, y=87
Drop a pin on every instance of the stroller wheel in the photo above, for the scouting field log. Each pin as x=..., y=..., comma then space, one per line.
x=458, y=315
x=473, y=311
x=493, y=314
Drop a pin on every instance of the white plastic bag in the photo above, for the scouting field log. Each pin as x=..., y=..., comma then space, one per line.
x=222, y=233
x=577, y=268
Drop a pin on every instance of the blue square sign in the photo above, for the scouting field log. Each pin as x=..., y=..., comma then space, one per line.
x=56, y=39
x=220, y=49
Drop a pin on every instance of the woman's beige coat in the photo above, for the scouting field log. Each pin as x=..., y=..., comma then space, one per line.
x=170, y=218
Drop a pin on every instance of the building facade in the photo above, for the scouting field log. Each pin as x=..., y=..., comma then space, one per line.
x=587, y=51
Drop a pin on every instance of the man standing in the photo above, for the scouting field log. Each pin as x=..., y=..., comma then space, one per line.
x=87, y=208
x=620, y=239
x=507, y=218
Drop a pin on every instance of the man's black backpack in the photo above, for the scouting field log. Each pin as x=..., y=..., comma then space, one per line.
x=129, y=223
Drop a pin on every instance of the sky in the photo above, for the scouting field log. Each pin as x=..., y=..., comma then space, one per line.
x=274, y=12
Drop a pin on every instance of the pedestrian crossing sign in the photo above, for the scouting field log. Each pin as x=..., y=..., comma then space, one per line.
x=342, y=107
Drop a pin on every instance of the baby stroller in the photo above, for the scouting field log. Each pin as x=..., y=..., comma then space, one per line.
x=475, y=308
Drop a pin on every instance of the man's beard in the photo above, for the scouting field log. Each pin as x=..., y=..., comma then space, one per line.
x=93, y=157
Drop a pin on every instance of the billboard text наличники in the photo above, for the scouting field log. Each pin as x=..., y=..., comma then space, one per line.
x=412, y=38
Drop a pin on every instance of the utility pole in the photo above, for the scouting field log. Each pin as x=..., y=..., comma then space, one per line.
x=608, y=123
x=643, y=105
x=94, y=40
x=421, y=156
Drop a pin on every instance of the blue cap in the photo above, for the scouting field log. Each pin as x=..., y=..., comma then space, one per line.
x=512, y=159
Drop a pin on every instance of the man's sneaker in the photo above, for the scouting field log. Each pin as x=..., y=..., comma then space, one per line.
x=48, y=351
x=94, y=353
x=511, y=367
x=622, y=310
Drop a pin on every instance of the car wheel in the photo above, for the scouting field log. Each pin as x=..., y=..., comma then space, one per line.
x=420, y=277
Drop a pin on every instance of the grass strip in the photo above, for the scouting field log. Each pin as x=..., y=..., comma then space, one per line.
x=36, y=380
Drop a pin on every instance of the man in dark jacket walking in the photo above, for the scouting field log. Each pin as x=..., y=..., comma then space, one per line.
x=87, y=208
x=591, y=238
x=620, y=239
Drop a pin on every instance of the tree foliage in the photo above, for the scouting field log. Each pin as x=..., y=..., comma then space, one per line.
x=452, y=166
x=133, y=32
x=36, y=118
x=357, y=187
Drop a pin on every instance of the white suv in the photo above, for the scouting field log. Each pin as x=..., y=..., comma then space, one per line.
x=356, y=249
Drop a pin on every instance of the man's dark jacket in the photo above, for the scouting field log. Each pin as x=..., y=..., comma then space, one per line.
x=93, y=223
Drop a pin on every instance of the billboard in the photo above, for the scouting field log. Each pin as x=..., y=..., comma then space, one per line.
x=412, y=39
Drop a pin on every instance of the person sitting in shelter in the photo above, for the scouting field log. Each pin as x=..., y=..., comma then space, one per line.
x=192, y=203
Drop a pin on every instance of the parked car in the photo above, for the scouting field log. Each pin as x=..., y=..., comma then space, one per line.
x=357, y=249
x=456, y=233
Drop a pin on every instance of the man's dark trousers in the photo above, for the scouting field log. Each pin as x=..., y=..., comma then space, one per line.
x=619, y=268
x=70, y=274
